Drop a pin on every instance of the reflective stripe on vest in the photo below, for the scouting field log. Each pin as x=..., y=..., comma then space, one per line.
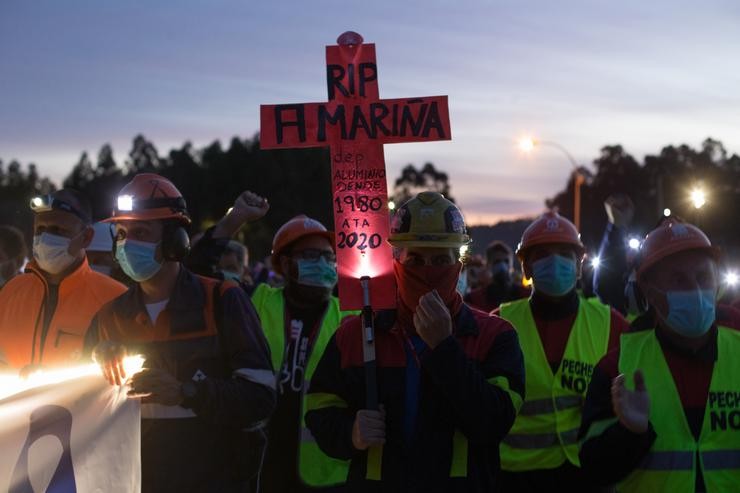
x=315, y=468
x=545, y=406
x=671, y=463
x=541, y=440
x=545, y=432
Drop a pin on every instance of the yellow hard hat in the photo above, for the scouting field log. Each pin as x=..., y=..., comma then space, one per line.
x=428, y=220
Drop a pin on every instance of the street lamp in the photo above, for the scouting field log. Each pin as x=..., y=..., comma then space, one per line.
x=527, y=145
x=698, y=198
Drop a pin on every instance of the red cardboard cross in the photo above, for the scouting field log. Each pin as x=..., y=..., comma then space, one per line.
x=355, y=123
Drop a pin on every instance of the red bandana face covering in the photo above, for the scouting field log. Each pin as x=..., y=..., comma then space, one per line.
x=414, y=281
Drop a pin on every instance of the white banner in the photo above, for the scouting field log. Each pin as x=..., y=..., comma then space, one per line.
x=68, y=431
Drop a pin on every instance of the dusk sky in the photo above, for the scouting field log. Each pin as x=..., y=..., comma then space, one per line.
x=75, y=75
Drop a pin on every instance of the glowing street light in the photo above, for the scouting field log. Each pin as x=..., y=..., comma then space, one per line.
x=595, y=262
x=634, y=243
x=698, y=198
x=666, y=212
x=391, y=205
x=527, y=145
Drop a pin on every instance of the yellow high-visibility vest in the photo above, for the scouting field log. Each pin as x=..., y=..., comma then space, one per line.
x=545, y=432
x=671, y=463
x=315, y=468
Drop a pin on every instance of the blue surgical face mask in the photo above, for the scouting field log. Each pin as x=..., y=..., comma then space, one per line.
x=690, y=313
x=52, y=252
x=138, y=259
x=554, y=275
x=317, y=273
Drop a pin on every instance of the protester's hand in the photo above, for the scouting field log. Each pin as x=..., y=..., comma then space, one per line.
x=432, y=319
x=27, y=370
x=156, y=385
x=248, y=207
x=620, y=210
x=369, y=428
x=632, y=407
x=109, y=355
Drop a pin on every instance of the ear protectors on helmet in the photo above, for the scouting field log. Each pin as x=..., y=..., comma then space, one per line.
x=175, y=242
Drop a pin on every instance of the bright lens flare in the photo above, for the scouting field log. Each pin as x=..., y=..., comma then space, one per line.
x=364, y=265
x=666, y=212
x=391, y=205
x=634, y=243
x=698, y=198
x=526, y=144
x=133, y=364
x=595, y=262
x=12, y=384
x=731, y=279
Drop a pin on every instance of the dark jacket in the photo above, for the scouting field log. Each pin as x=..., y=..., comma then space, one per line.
x=490, y=297
x=472, y=383
x=208, y=334
x=610, y=277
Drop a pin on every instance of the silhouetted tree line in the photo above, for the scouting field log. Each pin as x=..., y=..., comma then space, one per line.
x=413, y=181
x=298, y=181
x=662, y=181
x=295, y=182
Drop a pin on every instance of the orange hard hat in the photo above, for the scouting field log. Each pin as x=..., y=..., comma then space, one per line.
x=669, y=238
x=548, y=229
x=149, y=197
x=292, y=231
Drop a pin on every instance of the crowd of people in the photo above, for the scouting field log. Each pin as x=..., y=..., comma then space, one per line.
x=490, y=375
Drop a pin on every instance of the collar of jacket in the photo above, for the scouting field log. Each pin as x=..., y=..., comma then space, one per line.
x=706, y=353
x=463, y=324
x=70, y=282
x=185, y=306
x=548, y=309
